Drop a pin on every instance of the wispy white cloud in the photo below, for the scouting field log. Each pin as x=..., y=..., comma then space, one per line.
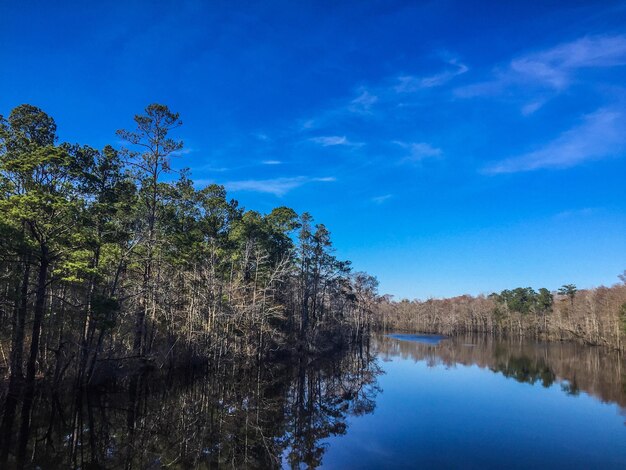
x=334, y=140
x=555, y=66
x=330, y=140
x=599, y=135
x=379, y=100
x=271, y=162
x=419, y=151
x=410, y=83
x=262, y=136
x=531, y=107
x=363, y=103
x=276, y=186
x=183, y=151
x=381, y=199
x=576, y=213
x=307, y=124
x=552, y=69
x=209, y=167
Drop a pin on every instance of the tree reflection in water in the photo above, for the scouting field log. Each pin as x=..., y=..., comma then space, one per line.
x=268, y=415
x=598, y=371
x=235, y=416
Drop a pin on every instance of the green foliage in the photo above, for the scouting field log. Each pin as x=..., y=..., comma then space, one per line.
x=122, y=248
x=523, y=300
x=39, y=187
x=104, y=310
x=568, y=290
x=544, y=300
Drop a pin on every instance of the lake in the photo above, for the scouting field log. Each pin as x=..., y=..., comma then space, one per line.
x=399, y=401
x=481, y=403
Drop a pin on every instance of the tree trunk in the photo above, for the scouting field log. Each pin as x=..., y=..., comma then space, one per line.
x=18, y=324
x=40, y=301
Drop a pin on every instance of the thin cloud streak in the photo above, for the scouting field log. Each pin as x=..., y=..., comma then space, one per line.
x=381, y=199
x=211, y=168
x=576, y=213
x=369, y=102
x=183, y=151
x=552, y=68
x=276, y=186
x=555, y=66
x=330, y=140
x=363, y=103
x=531, y=107
x=334, y=141
x=419, y=151
x=409, y=83
x=599, y=135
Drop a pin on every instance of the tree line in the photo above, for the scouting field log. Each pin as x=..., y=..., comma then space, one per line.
x=593, y=316
x=110, y=260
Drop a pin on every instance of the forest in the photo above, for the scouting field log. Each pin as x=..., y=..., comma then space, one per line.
x=118, y=273
x=112, y=262
x=592, y=316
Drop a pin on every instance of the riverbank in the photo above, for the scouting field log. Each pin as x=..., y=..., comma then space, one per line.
x=593, y=316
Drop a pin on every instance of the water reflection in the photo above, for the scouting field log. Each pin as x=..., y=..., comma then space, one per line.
x=419, y=338
x=597, y=371
x=480, y=402
x=255, y=417
x=471, y=402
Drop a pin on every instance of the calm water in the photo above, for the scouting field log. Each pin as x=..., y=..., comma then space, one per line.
x=479, y=403
x=403, y=401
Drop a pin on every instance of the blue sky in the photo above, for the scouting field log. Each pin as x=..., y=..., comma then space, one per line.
x=450, y=147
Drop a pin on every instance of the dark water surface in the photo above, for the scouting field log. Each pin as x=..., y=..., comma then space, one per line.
x=403, y=401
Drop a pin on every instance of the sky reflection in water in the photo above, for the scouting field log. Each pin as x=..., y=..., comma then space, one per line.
x=480, y=403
